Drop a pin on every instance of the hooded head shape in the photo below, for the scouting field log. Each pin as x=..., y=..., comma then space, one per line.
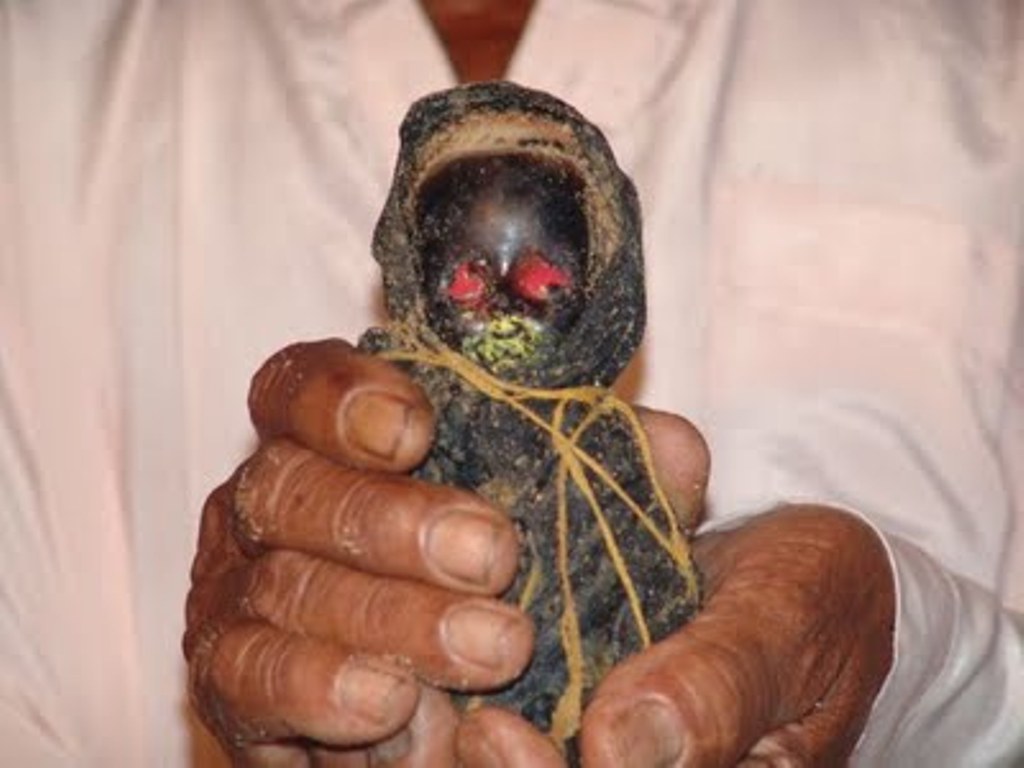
x=511, y=235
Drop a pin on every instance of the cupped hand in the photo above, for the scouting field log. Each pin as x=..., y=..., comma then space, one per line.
x=327, y=584
x=782, y=665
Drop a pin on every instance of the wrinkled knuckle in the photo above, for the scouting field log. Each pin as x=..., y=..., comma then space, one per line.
x=197, y=609
x=283, y=586
x=262, y=596
x=213, y=546
x=275, y=668
x=212, y=603
x=365, y=499
x=207, y=701
x=196, y=644
x=260, y=659
x=201, y=651
x=218, y=502
x=265, y=487
x=236, y=667
x=246, y=522
x=372, y=610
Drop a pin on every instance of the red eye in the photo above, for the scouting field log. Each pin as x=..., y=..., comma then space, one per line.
x=534, y=278
x=469, y=283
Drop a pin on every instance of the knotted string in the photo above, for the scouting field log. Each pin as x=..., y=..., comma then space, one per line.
x=573, y=463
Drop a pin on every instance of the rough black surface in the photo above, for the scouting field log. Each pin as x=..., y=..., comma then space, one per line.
x=483, y=444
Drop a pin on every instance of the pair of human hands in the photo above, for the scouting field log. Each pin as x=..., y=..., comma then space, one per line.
x=334, y=598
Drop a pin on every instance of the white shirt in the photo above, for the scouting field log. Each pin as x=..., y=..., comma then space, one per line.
x=832, y=198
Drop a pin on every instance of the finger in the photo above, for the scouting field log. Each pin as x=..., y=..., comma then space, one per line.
x=427, y=742
x=217, y=550
x=451, y=640
x=681, y=459
x=215, y=583
x=387, y=524
x=348, y=406
x=496, y=738
x=259, y=685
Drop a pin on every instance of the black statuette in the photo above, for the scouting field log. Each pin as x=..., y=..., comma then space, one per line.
x=513, y=273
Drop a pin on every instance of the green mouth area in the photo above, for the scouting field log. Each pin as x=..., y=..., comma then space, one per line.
x=506, y=343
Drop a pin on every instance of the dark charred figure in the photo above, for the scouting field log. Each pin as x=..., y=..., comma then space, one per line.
x=513, y=276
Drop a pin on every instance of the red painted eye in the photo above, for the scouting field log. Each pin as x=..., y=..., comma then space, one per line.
x=469, y=283
x=535, y=279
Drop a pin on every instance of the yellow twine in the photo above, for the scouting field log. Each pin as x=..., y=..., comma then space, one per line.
x=573, y=462
x=566, y=717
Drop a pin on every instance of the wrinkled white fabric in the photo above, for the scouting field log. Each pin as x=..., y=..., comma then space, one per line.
x=832, y=197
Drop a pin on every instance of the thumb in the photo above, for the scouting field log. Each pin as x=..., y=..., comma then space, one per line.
x=696, y=698
x=681, y=461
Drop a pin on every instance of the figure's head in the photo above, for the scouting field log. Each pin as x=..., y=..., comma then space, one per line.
x=504, y=244
x=513, y=237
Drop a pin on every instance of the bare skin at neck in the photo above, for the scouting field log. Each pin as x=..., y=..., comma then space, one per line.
x=480, y=36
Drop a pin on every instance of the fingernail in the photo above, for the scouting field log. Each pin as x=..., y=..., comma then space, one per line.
x=647, y=734
x=375, y=423
x=481, y=634
x=463, y=545
x=369, y=689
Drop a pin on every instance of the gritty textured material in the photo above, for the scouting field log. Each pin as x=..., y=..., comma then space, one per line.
x=497, y=439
